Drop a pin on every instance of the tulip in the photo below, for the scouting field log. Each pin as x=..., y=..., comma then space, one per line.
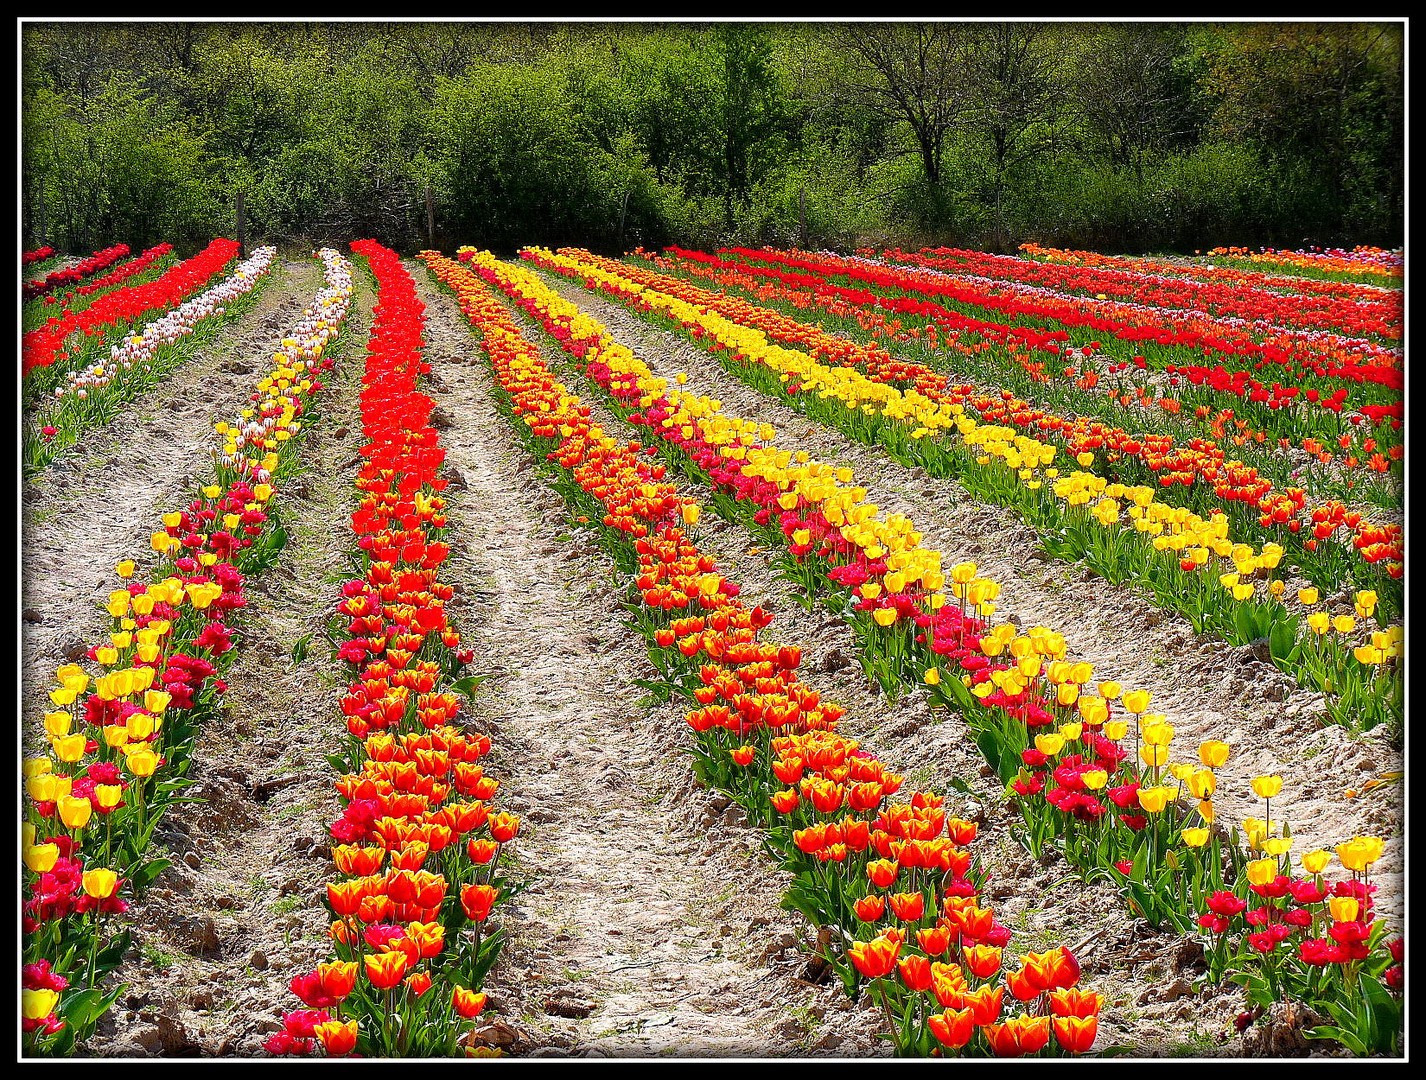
x=1360, y=852
x=41, y=857
x=73, y=811
x=386, y=969
x=952, y=1028
x=1266, y=787
x=1314, y=862
x=338, y=1037
x=100, y=883
x=38, y=1004
x=467, y=1003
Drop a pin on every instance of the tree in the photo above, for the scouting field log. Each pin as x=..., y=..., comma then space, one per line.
x=912, y=76
x=1133, y=92
x=1015, y=97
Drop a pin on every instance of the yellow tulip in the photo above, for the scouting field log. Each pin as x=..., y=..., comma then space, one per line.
x=1094, y=779
x=1049, y=745
x=1136, y=701
x=1115, y=730
x=1154, y=799
x=1266, y=787
x=1360, y=852
x=1213, y=753
x=100, y=883
x=108, y=795
x=1158, y=734
x=884, y=616
x=1307, y=597
x=1195, y=837
x=1314, y=862
x=1344, y=908
x=141, y=762
x=70, y=748
x=1344, y=624
x=933, y=677
x=41, y=857
x=74, y=811
x=1262, y=871
x=38, y=1004
x=1202, y=783
x=1277, y=845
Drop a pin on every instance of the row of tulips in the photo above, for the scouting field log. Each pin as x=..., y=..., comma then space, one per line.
x=92, y=396
x=1158, y=337
x=1205, y=271
x=893, y=887
x=1136, y=818
x=73, y=275
x=1276, y=406
x=1362, y=260
x=145, y=266
x=1199, y=466
x=120, y=730
x=1004, y=357
x=56, y=341
x=1280, y=516
x=39, y=254
x=417, y=846
x=1187, y=561
x=1374, y=313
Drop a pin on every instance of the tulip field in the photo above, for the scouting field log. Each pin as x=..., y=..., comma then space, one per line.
x=737, y=653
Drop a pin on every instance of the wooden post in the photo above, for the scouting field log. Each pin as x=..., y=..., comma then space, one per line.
x=242, y=227
x=430, y=218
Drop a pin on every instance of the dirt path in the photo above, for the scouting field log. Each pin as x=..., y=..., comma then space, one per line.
x=651, y=916
x=101, y=500
x=222, y=932
x=1207, y=688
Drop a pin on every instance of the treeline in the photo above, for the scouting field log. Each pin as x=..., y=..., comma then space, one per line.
x=1127, y=136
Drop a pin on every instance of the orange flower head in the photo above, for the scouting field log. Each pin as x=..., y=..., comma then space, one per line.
x=952, y=1028
x=467, y=1003
x=386, y=969
x=909, y=907
x=477, y=901
x=870, y=908
x=338, y=1037
x=1076, y=1033
x=337, y=978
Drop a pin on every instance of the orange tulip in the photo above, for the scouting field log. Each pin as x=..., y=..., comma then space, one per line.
x=909, y=907
x=952, y=1028
x=337, y=978
x=874, y=958
x=477, y=901
x=338, y=1037
x=386, y=969
x=1076, y=1033
x=870, y=908
x=982, y=960
x=467, y=1003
